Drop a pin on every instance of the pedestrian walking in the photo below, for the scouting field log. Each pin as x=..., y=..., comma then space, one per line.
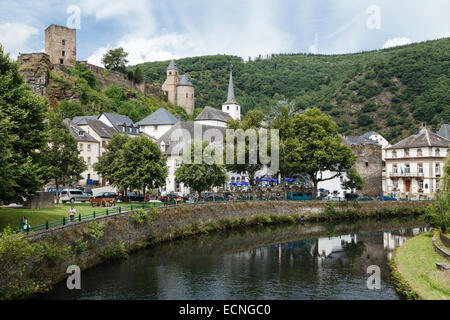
x=72, y=213
x=26, y=226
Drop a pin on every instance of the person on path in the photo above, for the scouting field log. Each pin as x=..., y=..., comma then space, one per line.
x=72, y=213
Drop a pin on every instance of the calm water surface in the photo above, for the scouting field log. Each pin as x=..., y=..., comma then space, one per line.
x=317, y=261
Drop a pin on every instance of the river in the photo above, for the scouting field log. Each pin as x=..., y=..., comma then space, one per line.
x=294, y=262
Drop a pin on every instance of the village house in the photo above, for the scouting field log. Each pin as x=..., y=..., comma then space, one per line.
x=157, y=124
x=414, y=166
x=89, y=148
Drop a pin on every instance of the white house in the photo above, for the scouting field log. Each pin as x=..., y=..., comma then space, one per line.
x=157, y=124
x=89, y=149
x=415, y=165
x=121, y=123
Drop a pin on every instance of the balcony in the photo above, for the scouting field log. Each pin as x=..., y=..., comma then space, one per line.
x=406, y=175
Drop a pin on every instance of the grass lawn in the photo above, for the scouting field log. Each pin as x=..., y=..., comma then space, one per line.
x=11, y=216
x=416, y=261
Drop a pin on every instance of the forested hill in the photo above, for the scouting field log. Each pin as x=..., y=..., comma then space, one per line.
x=389, y=91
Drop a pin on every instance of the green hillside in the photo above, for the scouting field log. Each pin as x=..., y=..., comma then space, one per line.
x=389, y=91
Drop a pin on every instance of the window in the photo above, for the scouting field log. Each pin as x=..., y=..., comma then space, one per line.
x=420, y=184
x=187, y=95
x=88, y=147
x=237, y=108
x=80, y=146
x=420, y=168
x=394, y=154
x=426, y=185
x=228, y=108
x=103, y=143
x=438, y=152
x=395, y=168
x=63, y=53
x=406, y=152
x=63, y=42
x=395, y=183
x=61, y=61
x=156, y=128
x=437, y=169
x=89, y=160
x=177, y=163
x=407, y=168
x=419, y=152
x=437, y=184
x=367, y=164
x=170, y=73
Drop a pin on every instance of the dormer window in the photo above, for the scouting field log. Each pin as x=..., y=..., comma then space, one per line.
x=81, y=133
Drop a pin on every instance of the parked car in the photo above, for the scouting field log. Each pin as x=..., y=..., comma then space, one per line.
x=104, y=199
x=88, y=191
x=73, y=195
x=364, y=198
x=386, y=198
x=172, y=197
x=134, y=197
x=334, y=198
x=351, y=196
x=299, y=196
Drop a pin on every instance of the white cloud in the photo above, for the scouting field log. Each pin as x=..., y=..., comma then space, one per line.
x=394, y=42
x=14, y=37
x=314, y=48
x=444, y=35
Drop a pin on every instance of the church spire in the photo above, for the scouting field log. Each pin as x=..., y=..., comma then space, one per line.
x=231, y=98
x=172, y=65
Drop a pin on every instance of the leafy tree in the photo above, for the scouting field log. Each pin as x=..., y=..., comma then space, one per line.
x=144, y=165
x=203, y=176
x=438, y=214
x=138, y=75
x=115, y=59
x=23, y=133
x=252, y=121
x=111, y=163
x=320, y=146
x=82, y=72
x=71, y=109
x=354, y=181
x=64, y=164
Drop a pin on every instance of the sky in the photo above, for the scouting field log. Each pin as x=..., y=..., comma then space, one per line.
x=155, y=30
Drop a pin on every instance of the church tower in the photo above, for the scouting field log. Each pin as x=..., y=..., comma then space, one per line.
x=231, y=106
x=170, y=85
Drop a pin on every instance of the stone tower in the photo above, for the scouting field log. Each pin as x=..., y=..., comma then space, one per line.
x=61, y=45
x=170, y=85
x=185, y=94
x=231, y=106
x=180, y=90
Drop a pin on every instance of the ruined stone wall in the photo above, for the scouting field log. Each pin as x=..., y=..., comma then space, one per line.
x=369, y=167
x=35, y=67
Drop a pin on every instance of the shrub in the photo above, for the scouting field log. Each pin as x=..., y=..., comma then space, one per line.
x=115, y=252
x=96, y=230
x=79, y=246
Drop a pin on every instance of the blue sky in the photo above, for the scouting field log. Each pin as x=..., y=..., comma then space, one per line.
x=159, y=30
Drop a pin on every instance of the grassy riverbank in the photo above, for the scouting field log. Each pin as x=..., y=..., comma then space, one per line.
x=10, y=216
x=414, y=272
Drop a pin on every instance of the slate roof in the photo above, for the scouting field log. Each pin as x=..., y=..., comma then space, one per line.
x=184, y=81
x=230, y=98
x=172, y=65
x=76, y=130
x=349, y=140
x=101, y=129
x=159, y=117
x=209, y=113
x=82, y=119
x=189, y=127
x=369, y=134
x=445, y=131
x=425, y=138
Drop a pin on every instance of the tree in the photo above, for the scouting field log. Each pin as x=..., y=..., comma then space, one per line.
x=320, y=146
x=144, y=165
x=252, y=121
x=203, y=176
x=138, y=75
x=115, y=59
x=22, y=133
x=64, y=164
x=71, y=109
x=438, y=214
x=111, y=162
x=354, y=181
x=290, y=151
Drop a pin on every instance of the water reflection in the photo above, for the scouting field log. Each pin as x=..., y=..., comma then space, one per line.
x=295, y=262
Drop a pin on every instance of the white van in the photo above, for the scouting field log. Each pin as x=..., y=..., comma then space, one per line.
x=72, y=195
